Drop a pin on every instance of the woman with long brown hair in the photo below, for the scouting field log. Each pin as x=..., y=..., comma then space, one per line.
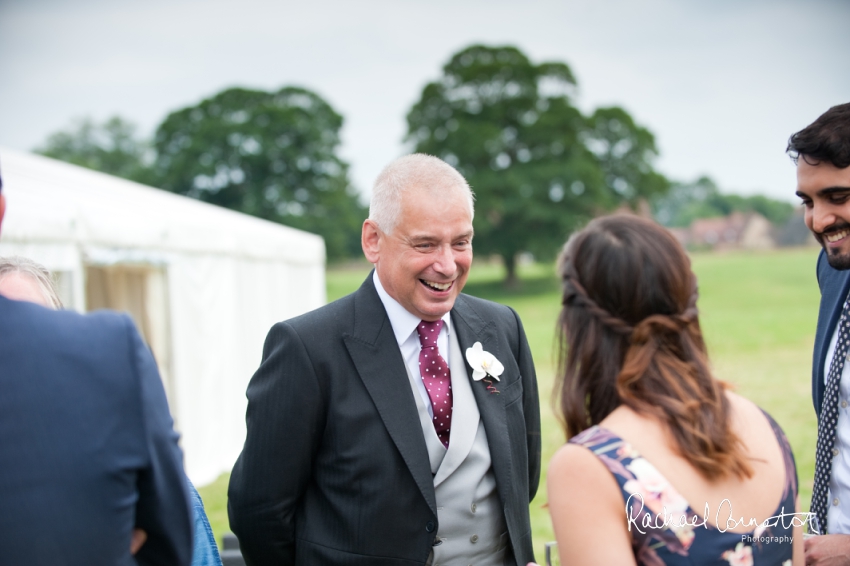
x=664, y=464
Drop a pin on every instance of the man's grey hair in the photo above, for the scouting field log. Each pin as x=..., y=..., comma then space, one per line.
x=28, y=268
x=413, y=171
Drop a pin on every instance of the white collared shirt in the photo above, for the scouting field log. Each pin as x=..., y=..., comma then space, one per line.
x=404, y=327
x=838, y=504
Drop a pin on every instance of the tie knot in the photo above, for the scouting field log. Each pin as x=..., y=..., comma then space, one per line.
x=428, y=332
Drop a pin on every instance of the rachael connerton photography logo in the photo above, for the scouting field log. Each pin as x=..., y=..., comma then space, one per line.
x=723, y=520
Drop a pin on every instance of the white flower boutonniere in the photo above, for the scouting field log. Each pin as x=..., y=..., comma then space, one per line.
x=484, y=364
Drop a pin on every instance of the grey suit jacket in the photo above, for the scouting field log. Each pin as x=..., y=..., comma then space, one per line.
x=335, y=469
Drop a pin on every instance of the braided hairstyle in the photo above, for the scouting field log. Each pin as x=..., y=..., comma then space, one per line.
x=630, y=335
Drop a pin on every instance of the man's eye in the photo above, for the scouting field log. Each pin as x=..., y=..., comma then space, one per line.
x=838, y=199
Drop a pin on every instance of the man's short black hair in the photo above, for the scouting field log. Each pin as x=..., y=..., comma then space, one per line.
x=825, y=139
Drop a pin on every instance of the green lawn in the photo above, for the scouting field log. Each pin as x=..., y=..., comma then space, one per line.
x=758, y=312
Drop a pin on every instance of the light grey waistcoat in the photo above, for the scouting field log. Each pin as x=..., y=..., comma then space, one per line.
x=472, y=527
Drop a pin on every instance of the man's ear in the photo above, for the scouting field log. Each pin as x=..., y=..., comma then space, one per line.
x=2, y=207
x=370, y=241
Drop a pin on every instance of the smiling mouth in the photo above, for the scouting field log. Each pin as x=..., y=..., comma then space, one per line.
x=833, y=237
x=437, y=286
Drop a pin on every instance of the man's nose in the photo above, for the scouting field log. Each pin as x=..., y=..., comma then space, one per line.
x=444, y=263
x=822, y=218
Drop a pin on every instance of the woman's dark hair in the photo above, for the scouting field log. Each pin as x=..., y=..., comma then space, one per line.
x=825, y=139
x=630, y=336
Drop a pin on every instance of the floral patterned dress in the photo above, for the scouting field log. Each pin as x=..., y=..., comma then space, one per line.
x=665, y=530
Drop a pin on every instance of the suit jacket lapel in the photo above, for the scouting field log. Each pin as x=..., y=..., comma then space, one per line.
x=375, y=353
x=470, y=328
x=832, y=302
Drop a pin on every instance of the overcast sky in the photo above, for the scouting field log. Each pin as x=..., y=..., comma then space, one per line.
x=721, y=83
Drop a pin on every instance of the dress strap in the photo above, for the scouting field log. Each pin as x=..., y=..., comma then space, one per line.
x=657, y=514
x=791, y=480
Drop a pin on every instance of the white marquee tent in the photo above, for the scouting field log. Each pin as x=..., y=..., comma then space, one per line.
x=203, y=284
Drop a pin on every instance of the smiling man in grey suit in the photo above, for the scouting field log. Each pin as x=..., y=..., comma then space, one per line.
x=353, y=455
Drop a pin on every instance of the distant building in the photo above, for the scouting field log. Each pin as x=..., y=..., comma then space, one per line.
x=739, y=230
x=743, y=230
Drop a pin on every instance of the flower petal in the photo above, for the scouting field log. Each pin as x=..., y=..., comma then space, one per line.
x=483, y=363
x=474, y=355
x=495, y=368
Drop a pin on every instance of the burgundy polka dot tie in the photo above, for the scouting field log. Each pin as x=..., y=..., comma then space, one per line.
x=437, y=377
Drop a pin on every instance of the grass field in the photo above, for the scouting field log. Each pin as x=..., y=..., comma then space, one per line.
x=758, y=312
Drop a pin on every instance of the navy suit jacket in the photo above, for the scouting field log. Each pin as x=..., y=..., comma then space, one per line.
x=87, y=448
x=834, y=285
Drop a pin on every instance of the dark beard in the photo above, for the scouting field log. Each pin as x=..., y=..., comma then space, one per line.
x=837, y=260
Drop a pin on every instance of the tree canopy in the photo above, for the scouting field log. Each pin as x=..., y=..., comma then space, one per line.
x=538, y=166
x=268, y=154
x=111, y=147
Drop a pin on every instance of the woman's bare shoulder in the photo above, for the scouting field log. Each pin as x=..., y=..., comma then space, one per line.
x=574, y=470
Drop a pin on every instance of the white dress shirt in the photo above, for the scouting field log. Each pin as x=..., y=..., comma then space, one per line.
x=404, y=327
x=838, y=504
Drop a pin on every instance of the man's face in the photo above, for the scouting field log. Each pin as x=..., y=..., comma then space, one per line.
x=825, y=190
x=423, y=264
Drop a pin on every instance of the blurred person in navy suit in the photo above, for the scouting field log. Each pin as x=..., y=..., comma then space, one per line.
x=90, y=469
x=26, y=280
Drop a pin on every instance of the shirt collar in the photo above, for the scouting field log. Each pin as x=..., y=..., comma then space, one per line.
x=403, y=322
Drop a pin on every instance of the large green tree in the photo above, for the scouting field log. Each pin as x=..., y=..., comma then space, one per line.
x=269, y=154
x=111, y=147
x=538, y=167
x=625, y=152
